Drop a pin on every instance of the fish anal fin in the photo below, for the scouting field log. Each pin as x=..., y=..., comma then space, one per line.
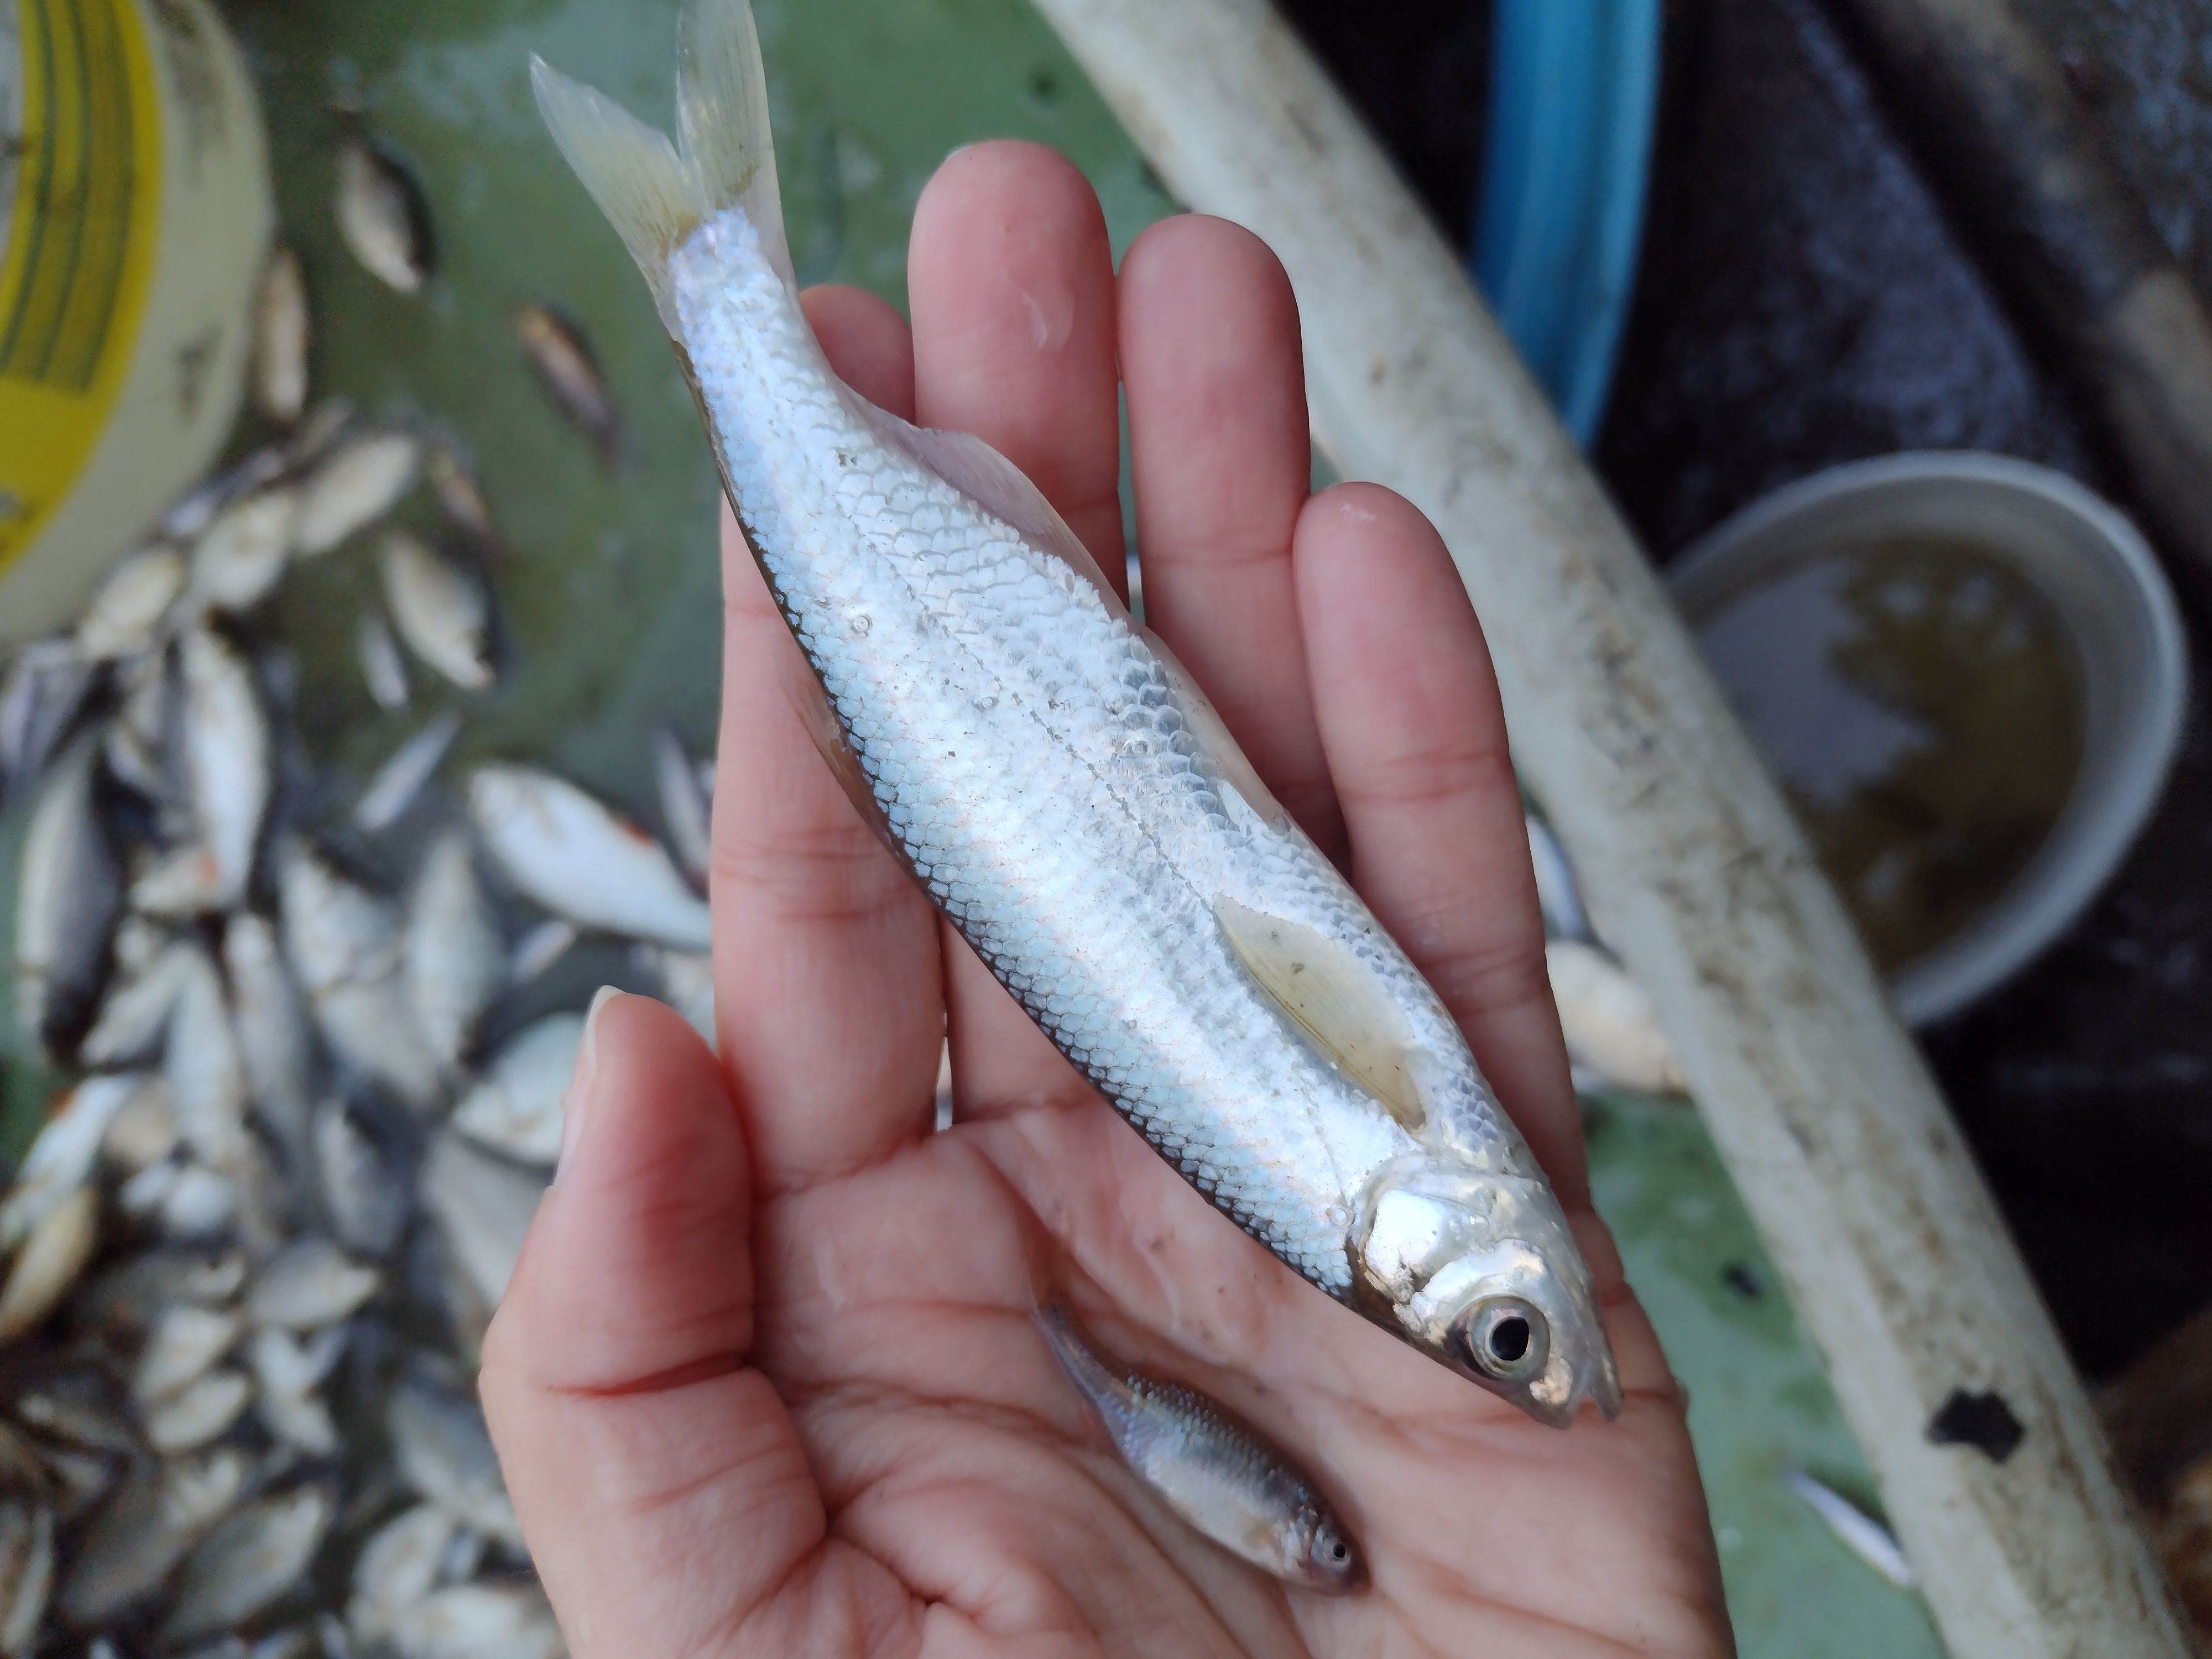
x=1334, y=998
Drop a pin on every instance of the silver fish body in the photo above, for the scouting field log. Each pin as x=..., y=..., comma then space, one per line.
x=282, y=327
x=455, y=961
x=69, y=895
x=516, y=1107
x=228, y=761
x=1074, y=806
x=1215, y=1473
x=399, y=782
x=442, y=608
x=570, y=375
x=124, y=614
x=42, y=696
x=382, y=216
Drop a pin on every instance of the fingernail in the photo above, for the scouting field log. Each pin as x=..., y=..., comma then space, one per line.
x=575, y=1103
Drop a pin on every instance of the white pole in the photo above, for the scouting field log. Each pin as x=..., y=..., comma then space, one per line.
x=1899, y=1266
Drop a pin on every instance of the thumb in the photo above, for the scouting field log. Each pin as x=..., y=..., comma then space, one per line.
x=659, y=1482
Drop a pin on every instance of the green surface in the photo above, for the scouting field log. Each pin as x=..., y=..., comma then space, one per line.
x=611, y=598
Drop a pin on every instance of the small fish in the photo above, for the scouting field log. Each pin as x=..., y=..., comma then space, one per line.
x=539, y=949
x=61, y=1157
x=456, y=960
x=307, y=1285
x=454, y=484
x=185, y=1344
x=69, y=894
x=565, y=851
x=399, y=780
x=204, y=1070
x=162, y=1510
x=1557, y=895
x=443, y=609
x=483, y=1207
x=570, y=373
x=480, y=1621
x=397, y=1570
x=45, y=691
x=1215, y=1471
x=382, y=669
x=49, y=1264
x=282, y=327
x=239, y=558
x=445, y=1452
x=251, y=1560
x=1073, y=805
x=144, y=1132
x=200, y=1412
x=228, y=756
x=383, y=215
x=515, y=1107
x=275, y=1043
x=1861, y=1533
x=287, y=1371
x=1612, y=1028
x=686, y=810
x=144, y=746
x=134, y=1019
x=123, y=616
x=357, y=483
x=125, y=1301
x=364, y=1188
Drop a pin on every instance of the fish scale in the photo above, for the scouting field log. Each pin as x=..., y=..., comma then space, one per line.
x=1073, y=804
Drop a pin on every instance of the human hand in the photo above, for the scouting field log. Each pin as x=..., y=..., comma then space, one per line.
x=766, y=1378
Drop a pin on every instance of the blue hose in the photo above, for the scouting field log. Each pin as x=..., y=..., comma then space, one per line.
x=1574, y=91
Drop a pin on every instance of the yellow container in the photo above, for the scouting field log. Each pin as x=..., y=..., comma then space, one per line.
x=134, y=215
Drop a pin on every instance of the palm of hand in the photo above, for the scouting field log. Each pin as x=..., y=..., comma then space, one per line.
x=766, y=1379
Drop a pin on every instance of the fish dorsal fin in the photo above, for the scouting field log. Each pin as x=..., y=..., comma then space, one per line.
x=993, y=483
x=1334, y=999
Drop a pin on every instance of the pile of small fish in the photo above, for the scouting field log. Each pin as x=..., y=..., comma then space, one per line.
x=251, y=1256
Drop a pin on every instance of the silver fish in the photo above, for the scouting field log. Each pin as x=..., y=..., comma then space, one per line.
x=456, y=960
x=61, y=1158
x=124, y=614
x=483, y=1207
x=200, y=1412
x=461, y=496
x=362, y=1190
x=382, y=668
x=282, y=327
x=134, y=1019
x=445, y=1455
x=127, y=1299
x=204, y=1070
x=356, y=484
x=1075, y=806
x=51, y=1260
x=686, y=809
x=399, y=780
x=143, y=745
x=539, y=949
x=288, y=1373
x=310, y=1283
x=397, y=1568
x=275, y=1044
x=515, y=1107
x=246, y=1564
x=479, y=1621
x=69, y=893
x=184, y=1345
x=228, y=759
x=42, y=694
x=1217, y=1474
x=562, y=850
x=238, y=561
x=160, y=1513
x=443, y=609
x=382, y=215
x=570, y=374
x=1612, y=1026
x=1859, y=1532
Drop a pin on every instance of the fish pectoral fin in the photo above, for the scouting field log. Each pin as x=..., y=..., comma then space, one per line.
x=1332, y=997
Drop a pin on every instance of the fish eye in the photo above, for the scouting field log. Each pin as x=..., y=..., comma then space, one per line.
x=1503, y=1337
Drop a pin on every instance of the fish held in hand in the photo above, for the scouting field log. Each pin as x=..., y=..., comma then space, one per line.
x=1044, y=767
x=1215, y=1471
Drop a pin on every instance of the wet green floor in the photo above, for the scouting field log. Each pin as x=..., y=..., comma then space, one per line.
x=611, y=598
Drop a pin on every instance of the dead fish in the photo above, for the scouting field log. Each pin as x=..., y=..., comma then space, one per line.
x=69, y=893
x=226, y=752
x=539, y=949
x=1612, y=1028
x=687, y=985
x=480, y=1621
x=686, y=810
x=382, y=668
x=453, y=482
x=357, y=483
x=200, y=1412
x=129, y=1297
x=238, y=563
x=570, y=374
x=307, y=1285
x=26, y=1546
x=442, y=610
x=144, y=1133
x=567, y=852
x=445, y=1455
x=345, y=943
x=124, y=615
x=160, y=1513
x=282, y=328
x=401, y=778
x=60, y=1160
x=205, y=1070
x=1861, y=1533
x=1557, y=895
x=289, y=1371
x=483, y=1207
x=382, y=215
x=45, y=691
x=47, y=1268
x=456, y=960
x=275, y=1044
x=363, y=1192
x=191, y=513
x=515, y=1108
x=397, y=1570
x=134, y=1019
x=186, y=1202
x=250, y=1562
x=183, y=1346
x=143, y=745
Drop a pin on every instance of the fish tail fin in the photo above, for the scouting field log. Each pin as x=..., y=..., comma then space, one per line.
x=653, y=192
x=1093, y=1378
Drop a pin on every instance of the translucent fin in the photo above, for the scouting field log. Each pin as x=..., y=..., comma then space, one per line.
x=722, y=118
x=1333, y=997
x=632, y=171
x=1211, y=733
